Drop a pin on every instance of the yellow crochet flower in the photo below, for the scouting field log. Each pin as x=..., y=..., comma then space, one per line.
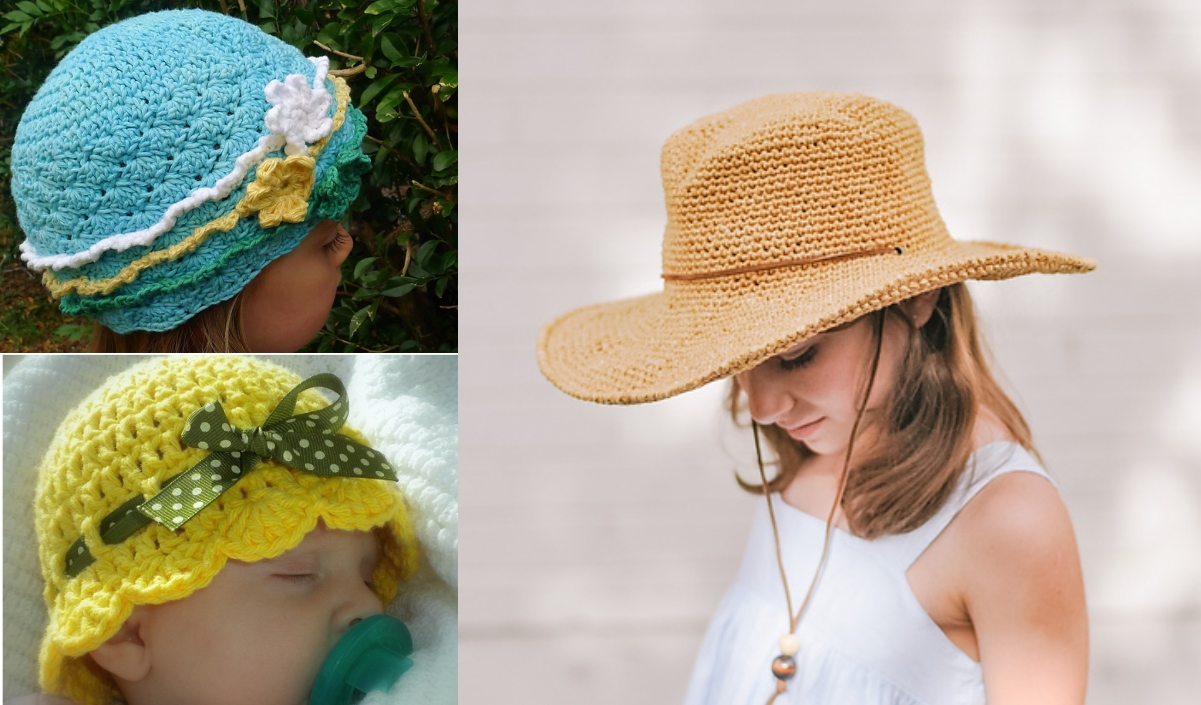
x=280, y=191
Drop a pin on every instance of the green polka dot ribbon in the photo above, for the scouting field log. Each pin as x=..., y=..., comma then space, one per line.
x=306, y=442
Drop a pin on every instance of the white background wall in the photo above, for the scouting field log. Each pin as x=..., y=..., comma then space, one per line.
x=597, y=540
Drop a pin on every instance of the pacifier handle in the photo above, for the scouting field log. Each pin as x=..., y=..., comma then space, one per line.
x=370, y=657
x=378, y=669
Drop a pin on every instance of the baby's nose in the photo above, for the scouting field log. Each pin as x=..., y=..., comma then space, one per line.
x=360, y=602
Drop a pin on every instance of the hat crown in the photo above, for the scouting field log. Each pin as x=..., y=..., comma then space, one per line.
x=794, y=176
x=133, y=164
x=137, y=116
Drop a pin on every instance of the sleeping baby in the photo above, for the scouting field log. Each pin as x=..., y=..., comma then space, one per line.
x=210, y=531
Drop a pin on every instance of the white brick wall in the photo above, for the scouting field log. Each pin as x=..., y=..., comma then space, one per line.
x=597, y=540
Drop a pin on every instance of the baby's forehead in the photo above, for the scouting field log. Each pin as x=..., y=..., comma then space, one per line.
x=335, y=541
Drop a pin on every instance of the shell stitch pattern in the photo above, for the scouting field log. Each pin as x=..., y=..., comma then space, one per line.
x=137, y=117
x=227, y=269
x=84, y=287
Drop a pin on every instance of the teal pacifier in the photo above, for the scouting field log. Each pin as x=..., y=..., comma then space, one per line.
x=372, y=656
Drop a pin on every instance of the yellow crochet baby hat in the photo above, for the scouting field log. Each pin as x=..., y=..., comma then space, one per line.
x=121, y=445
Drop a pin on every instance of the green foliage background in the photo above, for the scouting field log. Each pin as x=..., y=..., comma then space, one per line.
x=400, y=283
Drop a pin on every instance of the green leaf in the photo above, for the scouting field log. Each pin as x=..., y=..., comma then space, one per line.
x=268, y=27
x=72, y=331
x=364, y=293
x=442, y=160
x=440, y=287
x=416, y=270
x=46, y=8
x=372, y=277
x=358, y=319
x=424, y=252
x=363, y=266
x=373, y=90
x=8, y=28
x=376, y=8
x=18, y=16
x=62, y=39
x=30, y=8
x=400, y=290
x=329, y=35
x=450, y=78
x=387, y=106
x=369, y=72
x=389, y=48
x=381, y=23
x=267, y=9
x=420, y=148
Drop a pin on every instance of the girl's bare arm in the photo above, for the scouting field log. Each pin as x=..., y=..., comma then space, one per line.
x=1024, y=591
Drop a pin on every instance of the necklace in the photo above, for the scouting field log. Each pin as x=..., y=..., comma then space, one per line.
x=783, y=667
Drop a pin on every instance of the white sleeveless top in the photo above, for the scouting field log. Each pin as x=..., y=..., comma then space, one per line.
x=864, y=637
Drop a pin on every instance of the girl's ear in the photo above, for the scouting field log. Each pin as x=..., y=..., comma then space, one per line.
x=919, y=308
x=125, y=655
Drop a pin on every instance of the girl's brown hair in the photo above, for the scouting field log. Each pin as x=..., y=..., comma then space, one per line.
x=928, y=421
x=217, y=328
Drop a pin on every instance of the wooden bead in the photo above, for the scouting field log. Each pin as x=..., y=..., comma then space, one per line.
x=790, y=644
x=783, y=667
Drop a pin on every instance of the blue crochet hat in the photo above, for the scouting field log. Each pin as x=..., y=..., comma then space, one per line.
x=170, y=157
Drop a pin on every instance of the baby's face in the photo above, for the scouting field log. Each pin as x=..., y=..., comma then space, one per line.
x=260, y=631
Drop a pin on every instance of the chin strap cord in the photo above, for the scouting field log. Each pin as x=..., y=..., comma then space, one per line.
x=783, y=667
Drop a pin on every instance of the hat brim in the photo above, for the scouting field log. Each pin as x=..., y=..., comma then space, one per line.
x=657, y=346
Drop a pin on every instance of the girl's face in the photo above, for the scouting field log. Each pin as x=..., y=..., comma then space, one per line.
x=813, y=390
x=259, y=632
x=285, y=306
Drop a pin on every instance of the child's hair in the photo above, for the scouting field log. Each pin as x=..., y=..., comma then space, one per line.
x=217, y=328
x=943, y=378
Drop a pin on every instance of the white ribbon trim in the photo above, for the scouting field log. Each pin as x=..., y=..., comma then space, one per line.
x=298, y=117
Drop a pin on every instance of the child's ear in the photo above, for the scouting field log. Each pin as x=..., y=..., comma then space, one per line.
x=125, y=655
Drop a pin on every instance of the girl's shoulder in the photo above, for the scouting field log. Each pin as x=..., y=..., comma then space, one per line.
x=1014, y=540
x=1021, y=511
x=1016, y=527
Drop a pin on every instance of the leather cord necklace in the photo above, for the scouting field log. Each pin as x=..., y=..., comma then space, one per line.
x=783, y=667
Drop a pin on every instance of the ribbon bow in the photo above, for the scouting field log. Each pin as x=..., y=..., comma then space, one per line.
x=307, y=442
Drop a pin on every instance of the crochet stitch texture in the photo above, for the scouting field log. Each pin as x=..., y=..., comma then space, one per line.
x=124, y=441
x=787, y=215
x=161, y=111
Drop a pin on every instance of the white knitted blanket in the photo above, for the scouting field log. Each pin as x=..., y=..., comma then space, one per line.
x=407, y=406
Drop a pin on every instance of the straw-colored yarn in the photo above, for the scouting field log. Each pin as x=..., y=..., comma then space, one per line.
x=124, y=441
x=782, y=178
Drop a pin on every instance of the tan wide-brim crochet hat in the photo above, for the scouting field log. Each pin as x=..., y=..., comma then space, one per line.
x=786, y=216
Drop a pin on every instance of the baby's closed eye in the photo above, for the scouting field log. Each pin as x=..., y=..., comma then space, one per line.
x=300, y=578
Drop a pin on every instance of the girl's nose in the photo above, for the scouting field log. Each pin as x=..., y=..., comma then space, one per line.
x=767, y=399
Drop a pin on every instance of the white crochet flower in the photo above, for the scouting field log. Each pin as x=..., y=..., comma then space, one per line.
x=300, y=113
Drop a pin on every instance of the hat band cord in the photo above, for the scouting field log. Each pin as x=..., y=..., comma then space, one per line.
x=778, y=265
x=783, y=667
x=306, y=442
